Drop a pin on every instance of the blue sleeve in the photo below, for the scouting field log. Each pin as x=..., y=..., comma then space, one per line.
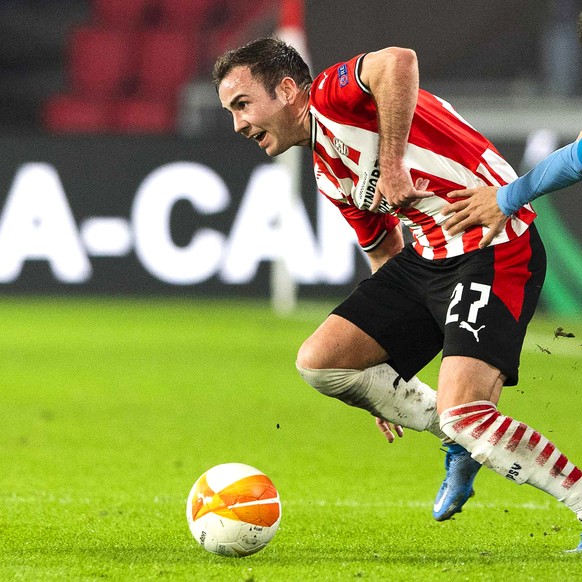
x=560, y=169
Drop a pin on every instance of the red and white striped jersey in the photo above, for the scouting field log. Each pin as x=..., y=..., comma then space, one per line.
x=442, y=147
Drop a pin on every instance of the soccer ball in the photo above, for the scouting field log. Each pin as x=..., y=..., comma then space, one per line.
x=233, y=510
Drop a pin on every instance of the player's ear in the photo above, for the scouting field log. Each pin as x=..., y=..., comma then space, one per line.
x=288, y=89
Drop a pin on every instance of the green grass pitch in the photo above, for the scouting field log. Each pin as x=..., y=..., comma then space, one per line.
x=110, y=410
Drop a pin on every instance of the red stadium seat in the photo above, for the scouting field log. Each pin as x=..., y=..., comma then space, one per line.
x=126, y=70
x=70, y=114
x=123, y=14
x=144, y=116
x=168, y=60
x=101, y=62
x=186, y=15
x=238, y=23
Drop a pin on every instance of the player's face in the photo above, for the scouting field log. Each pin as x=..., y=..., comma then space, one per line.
x=256, y=115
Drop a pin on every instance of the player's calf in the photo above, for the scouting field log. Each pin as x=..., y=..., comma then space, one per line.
x=381, y=392
x=514, y=450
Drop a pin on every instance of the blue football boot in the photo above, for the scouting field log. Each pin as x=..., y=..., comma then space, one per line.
x=577, y=549
x=457, y=487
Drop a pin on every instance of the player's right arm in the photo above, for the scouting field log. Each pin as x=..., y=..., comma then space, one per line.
x=391, y=75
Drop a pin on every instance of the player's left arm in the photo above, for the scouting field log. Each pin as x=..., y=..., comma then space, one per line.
x=390, y=246
x=492, y=206
x=391, y=75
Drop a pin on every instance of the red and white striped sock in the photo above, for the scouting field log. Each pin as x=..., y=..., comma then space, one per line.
x=514, y=450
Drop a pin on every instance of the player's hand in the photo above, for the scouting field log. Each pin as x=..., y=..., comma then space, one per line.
x=478, y=207
x=388, y=429
x=398, y=190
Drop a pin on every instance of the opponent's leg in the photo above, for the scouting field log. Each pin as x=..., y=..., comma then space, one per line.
x=511, y=448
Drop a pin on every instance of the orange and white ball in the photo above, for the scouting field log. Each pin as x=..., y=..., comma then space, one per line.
x=233, y=510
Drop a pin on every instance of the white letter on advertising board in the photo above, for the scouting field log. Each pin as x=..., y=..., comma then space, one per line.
x=153, y=204
x=37, y=224
x=269, y=226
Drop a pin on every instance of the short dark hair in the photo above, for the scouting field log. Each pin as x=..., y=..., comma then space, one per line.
x=269, y=60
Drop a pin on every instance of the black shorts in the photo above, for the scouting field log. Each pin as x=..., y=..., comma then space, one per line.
x=476, y=305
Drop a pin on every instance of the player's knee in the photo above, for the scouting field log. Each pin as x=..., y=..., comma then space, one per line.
x=310, y=356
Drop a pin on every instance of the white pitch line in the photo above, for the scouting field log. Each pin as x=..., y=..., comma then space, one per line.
x=414, y=504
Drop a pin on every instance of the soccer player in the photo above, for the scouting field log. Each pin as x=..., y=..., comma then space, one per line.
x=379, y=142
x=492, y=206
x=284, y=122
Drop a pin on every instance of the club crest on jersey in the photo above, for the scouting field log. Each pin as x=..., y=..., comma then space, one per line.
x=342, y=74
x=340, y=147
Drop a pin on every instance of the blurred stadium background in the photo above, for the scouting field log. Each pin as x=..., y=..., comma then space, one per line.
x=120, y=174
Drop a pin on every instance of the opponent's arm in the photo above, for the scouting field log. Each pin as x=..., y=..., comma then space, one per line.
x=478, y=208
x=491, y=206
x=391, y=75
x=559, y=170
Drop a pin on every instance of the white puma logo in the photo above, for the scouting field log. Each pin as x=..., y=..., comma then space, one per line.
x=465, y=325
x=320, y=86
